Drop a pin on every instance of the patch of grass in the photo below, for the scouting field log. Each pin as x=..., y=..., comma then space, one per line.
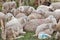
x=0, y=7
x=28, y=36
x=0, y=35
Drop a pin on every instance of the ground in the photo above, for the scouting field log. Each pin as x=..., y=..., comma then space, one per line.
x=28, y=36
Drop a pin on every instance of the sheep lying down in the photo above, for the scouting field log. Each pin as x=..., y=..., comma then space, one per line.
x=35, y=16
x=55, y=5
x=32, y=24
x=7, y=6
x=15, y=27
x=47, y=28
x=56, y=14
x=26, y=9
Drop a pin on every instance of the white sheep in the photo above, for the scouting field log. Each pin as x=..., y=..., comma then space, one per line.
x=47, y=28
x=26, y=9
x=43, y=8
x=14, y=11
x=34, y=16
x=55, y=5
x=7, y=6
x=32, y=24
x=57, y=28
x=2, y=22
x=15, y=26
x=8, y=17
x=56, y=14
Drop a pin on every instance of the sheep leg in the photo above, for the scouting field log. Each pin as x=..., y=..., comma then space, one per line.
x=3, y=30
x=35, y=35
x=19, y=37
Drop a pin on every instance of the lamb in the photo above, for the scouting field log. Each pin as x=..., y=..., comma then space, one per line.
x=15, y=26
x=55, y=5
x=7, y=6
x=2, y=22
x=47, y=28
x=2, y=16
x=57, y=28
x=20, y=15
x=32, y=24
x=14, y=11
x=56, y=14
x=35, y=16
x=12, y=4
x=26, y=9
x=43, y=8
x=22, y=18
x=8, y=17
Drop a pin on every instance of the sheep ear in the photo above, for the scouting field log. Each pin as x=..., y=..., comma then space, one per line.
x=51, y=9
x=42, y=14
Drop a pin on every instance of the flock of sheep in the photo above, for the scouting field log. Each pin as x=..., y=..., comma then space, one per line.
x=15, y=20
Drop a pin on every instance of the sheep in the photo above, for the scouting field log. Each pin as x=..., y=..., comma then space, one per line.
x=14, y=11
x=35, y=16
x=7, y=6
x=12, y=4
x=2, y=15
x=57, y=36
x=26, y=9
x=8, y=17
x=20, y=15
x=22, y=18
x=32, y=24
x=55, y=5
x=47, y=28
x=2, y=22
x=15, y=26
x=43, y=8
x=57, y=29
x=56, y=13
